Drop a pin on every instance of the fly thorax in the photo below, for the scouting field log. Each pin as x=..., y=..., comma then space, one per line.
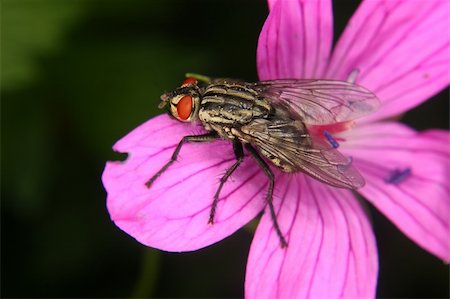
x=231, y=105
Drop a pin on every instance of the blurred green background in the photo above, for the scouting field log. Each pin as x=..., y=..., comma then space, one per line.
x=78, y=75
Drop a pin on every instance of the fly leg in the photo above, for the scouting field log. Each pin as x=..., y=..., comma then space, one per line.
x=239, y=153
x=269, y=196
x=194, y=138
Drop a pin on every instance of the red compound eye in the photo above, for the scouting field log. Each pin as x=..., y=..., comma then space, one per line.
x=184, y=107
x=189, y=81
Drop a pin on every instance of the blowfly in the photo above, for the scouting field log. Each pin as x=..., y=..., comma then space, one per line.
x=288, y=122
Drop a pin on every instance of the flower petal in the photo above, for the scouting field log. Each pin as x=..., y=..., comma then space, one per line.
x=296, y=39
x=331, y=249
x=418, y=201
x=271, y=3
x=400, y=49
x=173, y=214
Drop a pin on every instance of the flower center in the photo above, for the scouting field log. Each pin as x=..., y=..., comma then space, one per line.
x=327, y=131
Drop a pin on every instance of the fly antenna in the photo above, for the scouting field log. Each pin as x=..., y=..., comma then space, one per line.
x=164, y=99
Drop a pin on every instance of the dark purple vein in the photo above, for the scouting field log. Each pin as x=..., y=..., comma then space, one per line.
x=353, y=41
x=316, y=261
x=407, y=72
x=404, y=36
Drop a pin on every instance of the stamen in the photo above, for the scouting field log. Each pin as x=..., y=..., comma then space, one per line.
x=397, y=176
x=330, y=139
x=353, y=76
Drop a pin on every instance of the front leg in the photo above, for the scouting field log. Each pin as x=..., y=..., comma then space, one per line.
x=269, y=196
x=194, y=138
x=239, y=153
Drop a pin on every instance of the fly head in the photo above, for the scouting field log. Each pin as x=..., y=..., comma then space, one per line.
x=184, y=101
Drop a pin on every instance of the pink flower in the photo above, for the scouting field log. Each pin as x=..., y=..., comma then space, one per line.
x=397, y=49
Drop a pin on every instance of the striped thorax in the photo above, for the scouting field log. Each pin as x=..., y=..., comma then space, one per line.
x=226, y=107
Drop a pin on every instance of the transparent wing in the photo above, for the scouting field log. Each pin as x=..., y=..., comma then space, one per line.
x=320, y=102
x=285, y=143
x=330, y=166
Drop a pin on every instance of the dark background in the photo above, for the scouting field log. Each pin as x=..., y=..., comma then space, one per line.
x=78, y=75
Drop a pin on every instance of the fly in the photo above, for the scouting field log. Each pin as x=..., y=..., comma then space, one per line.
x=288, y=122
